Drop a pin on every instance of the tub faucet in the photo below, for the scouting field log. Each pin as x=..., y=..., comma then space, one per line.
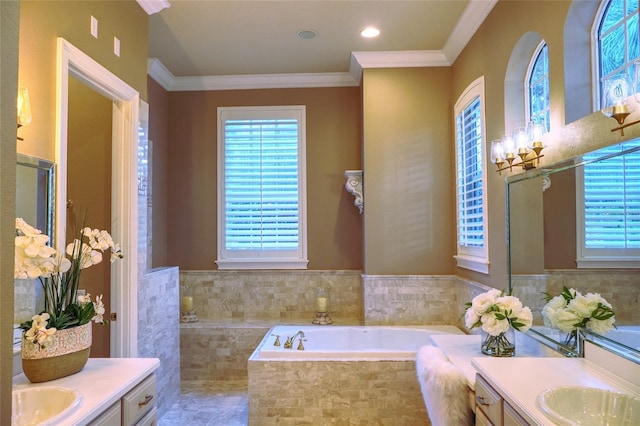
x=289, y=343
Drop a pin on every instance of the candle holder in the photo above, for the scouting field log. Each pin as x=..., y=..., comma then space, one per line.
x=322, y=307
x=187, y=313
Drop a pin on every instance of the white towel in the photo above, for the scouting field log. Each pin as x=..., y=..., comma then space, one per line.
x=444, y=388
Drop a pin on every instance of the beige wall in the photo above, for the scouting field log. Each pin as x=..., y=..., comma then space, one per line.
x=333, y=146
x=41, y=22
x=158, y=139
x=9, y=23
x=408, y=172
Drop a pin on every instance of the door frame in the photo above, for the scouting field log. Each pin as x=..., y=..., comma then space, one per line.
x=71, y=61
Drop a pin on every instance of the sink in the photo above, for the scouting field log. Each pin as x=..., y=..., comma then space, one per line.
x=577, y=405
x=43, y=405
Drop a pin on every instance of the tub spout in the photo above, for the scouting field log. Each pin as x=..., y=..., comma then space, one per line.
x=289, y=343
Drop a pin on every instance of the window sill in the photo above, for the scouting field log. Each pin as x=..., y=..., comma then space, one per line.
x=608, y=263
x=472, y=263
x=262, y=264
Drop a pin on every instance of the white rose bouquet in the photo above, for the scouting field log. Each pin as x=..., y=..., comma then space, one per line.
x=496, y=314
x=571, y=311
x=59, y=275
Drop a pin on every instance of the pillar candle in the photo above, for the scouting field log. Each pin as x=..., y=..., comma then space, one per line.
x=321, y=304
x=187, y=304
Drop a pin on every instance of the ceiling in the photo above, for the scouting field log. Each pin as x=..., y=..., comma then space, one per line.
x=195, y=43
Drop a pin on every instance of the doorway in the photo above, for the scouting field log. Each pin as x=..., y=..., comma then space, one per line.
x=124, y=103
x=89, y=166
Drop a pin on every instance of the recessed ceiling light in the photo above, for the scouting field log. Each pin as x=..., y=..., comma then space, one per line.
x=370, y=32
x=307, y=34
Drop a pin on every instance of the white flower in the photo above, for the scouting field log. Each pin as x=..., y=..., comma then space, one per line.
x=507, y=303
x=98, y=307
x=471, y=318
x=39, y=333
x=567, y=321
x=551, y=310
x=492, y=325
x=482, y=302
x=84, y=298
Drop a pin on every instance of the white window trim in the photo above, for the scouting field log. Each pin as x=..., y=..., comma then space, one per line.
x=300, y=261
x=474, y=258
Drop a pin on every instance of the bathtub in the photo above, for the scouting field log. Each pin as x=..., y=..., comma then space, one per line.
x=628, y=335
x=344, y=375
x=350, y=342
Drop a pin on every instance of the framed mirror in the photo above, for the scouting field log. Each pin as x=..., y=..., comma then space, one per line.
x=35, y=203
x=577, y=225
x=35, y=192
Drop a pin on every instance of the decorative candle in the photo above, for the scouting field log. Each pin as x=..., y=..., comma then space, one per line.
x=321, y=304
x=187, y=304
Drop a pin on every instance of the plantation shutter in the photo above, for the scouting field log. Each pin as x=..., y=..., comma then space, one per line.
x=611, y=210
x=261, y=200
x=469, y=176
x=261, y=184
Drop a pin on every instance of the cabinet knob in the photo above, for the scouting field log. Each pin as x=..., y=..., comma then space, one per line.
x=482, y=400
x=147, y=399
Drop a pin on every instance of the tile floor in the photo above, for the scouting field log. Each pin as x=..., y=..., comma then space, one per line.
x=209, y=403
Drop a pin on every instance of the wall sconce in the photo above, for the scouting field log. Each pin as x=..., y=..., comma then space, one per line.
x=525, y=144
x=615, y=98
x=24, y=108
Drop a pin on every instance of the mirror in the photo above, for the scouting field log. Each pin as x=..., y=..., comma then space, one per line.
x=35, y=201
x=548, y=211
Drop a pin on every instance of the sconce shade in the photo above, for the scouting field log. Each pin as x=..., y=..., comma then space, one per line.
x=497, y=152
x=24, y=107
x=614, y=98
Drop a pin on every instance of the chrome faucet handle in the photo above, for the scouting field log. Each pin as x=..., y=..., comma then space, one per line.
x=277, y=342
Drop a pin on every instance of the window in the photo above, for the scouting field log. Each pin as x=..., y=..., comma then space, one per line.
x=609, y=208
x=618, y=42
x=537, y=89
x=470, y=179
x=261, y=196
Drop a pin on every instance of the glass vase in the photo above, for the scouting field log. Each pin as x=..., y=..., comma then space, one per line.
x=502, y=345
x=569, y=345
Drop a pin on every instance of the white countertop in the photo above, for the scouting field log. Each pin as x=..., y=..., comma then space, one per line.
x=101, y=383
x=520, y=380
x=462, y=349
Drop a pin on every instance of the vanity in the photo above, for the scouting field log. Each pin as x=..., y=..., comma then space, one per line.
x=113, y=391
x=504, y=391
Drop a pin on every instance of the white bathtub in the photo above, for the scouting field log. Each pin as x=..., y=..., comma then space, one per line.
x=628, y=335
x=349, y=342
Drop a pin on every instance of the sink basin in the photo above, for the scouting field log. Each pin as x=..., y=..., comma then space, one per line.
x=577, y=405
x=43, y=405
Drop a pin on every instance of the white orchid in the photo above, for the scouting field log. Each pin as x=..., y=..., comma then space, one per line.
x=59, y=274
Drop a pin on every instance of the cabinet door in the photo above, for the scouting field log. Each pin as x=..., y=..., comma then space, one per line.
x=481, y=419
x=151, y=419
x=488, y=401
x=139, y=401
x=512, y=418
x=111, y=417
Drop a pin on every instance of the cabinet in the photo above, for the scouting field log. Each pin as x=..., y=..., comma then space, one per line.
x=136, y=408
x=492, y=409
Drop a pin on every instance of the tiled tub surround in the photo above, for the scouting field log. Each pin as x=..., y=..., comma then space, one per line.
x=619, y=286
x=352, y=389
x=237, y=308
x=272, y=296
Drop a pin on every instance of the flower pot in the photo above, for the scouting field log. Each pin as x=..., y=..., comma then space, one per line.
x=65, y=353
x=502, y=345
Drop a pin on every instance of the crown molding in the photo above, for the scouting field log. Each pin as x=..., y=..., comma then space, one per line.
x=157, y=71
x=401, y=59
x=153, y=6
x=263, y=81
x=471, y=19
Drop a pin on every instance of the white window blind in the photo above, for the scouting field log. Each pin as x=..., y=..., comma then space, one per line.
x=262, y=194
x=610, y=206
x=470, y=180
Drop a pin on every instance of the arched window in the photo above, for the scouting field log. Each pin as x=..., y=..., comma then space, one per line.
x=537, y=87
x=618, y=43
